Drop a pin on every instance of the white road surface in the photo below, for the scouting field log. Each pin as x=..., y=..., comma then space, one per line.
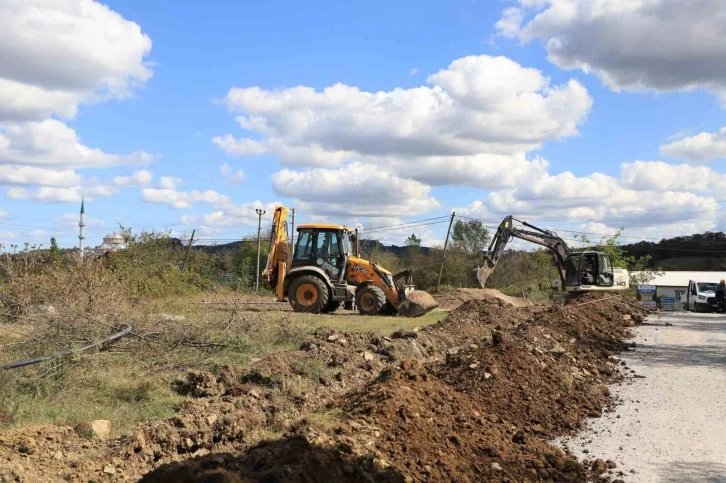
x=671, y=425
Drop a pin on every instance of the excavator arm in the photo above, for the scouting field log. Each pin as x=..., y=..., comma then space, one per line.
x=539, y=236
x=273, y=276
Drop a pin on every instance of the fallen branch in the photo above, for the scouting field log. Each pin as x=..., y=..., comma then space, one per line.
x=598, y=300
x=64, y=353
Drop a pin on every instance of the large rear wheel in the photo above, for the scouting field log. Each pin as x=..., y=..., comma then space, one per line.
x=370, y=300
x=308, y=293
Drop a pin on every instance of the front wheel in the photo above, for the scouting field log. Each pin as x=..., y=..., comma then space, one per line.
x=370, y=300
x=308, y=293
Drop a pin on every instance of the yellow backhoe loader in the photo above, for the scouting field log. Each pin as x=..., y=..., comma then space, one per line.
x=324, y=273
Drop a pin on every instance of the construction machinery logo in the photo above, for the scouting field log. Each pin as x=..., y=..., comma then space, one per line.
x=362, y=270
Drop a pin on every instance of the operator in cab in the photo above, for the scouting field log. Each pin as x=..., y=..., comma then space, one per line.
x=588, y=277
x=720, y=296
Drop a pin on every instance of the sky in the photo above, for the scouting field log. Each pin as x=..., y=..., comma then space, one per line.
x=583, y=116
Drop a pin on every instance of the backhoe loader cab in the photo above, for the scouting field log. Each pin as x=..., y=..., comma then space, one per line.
x=324, y=272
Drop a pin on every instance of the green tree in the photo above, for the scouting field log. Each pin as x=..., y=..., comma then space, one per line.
x=55, y=256
x=471, y=237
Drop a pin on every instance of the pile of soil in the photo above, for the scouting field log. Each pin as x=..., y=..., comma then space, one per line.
x=453, y=299
x=472, y=398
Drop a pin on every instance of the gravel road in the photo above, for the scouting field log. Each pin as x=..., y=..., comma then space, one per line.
x=671, y=424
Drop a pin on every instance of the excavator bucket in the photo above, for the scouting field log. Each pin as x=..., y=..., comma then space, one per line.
x=416, y=304
x=482, y=274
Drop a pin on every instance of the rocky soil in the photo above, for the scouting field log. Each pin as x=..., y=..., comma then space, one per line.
x=473, y=398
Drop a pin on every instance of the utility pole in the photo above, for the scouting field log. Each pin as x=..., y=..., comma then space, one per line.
x=292, y=235
x=357, y=244
x=259, y=247
x=443, y=256
x=189, y=246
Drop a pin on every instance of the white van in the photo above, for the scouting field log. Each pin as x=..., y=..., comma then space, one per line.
x=701, y=296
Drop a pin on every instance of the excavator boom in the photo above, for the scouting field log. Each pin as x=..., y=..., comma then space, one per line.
x=538, y=236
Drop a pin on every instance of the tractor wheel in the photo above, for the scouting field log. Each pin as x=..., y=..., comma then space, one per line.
x=370, y=300
x=308, y=293
x=332, y=306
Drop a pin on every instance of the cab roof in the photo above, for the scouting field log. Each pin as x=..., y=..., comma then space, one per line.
x=322, y=226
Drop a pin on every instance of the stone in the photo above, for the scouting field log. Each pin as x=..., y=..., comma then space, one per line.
x=58, y=455
x=253, y=393
x=212, y=418
x=557, y=350
x=101, y=428
x=255, y=360
x=200, y=452
x=333, y=337
x=627, y=317
x=367, y=356
x=109, y=469
x=599, y=467
x=487, y=375
x=496, y=467
x=473, y=366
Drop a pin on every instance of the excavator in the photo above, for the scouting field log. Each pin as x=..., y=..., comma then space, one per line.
x=579, y=272
x=325, y=272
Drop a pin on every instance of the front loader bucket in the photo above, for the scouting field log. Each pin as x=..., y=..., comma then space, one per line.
x=416, y=304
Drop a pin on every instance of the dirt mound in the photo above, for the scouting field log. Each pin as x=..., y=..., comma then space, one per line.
x=472, y=398
x=453, y=299
x=290, y=459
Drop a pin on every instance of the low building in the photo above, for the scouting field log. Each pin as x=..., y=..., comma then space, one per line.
x=675, y=284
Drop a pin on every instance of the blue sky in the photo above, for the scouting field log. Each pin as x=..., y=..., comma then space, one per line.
x=545, y=100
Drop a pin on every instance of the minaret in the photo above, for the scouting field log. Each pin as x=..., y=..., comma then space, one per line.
x=82, y=230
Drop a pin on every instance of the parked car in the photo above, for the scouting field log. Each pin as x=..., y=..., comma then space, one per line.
x=701, y=296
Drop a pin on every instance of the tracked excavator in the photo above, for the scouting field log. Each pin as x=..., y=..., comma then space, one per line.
x=579, y=272
x=324, y=272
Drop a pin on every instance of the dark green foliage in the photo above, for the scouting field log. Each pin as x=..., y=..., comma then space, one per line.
x=471, y=237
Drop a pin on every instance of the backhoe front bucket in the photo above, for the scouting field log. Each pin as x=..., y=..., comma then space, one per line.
x=416, y=304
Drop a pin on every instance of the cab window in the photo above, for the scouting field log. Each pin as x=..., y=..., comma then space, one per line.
x=304, y=246
x=326, y=246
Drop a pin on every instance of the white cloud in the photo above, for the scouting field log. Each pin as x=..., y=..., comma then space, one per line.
x=357, y=189
x=52, y=143
x=700, y=148
x=660, y=176
x=139, y=178
x=413, y=71
x=231, y=176
x=231, y=215
x=170, y=183
x=72, y=51
x=70, y=220
x=597, y=198
x=182, y=199
x=50, y=194
x=481, y=111
x=33, y=176
x=633, y=45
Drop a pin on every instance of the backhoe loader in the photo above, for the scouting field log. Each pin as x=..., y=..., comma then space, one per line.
x=324, y=272
x=579, y=272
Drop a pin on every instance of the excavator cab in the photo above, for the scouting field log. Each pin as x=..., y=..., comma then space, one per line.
x=592, y=271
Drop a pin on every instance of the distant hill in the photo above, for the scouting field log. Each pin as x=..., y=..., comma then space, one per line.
x=706, y=251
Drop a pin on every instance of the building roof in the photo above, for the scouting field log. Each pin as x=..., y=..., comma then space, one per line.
x=681, y=279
